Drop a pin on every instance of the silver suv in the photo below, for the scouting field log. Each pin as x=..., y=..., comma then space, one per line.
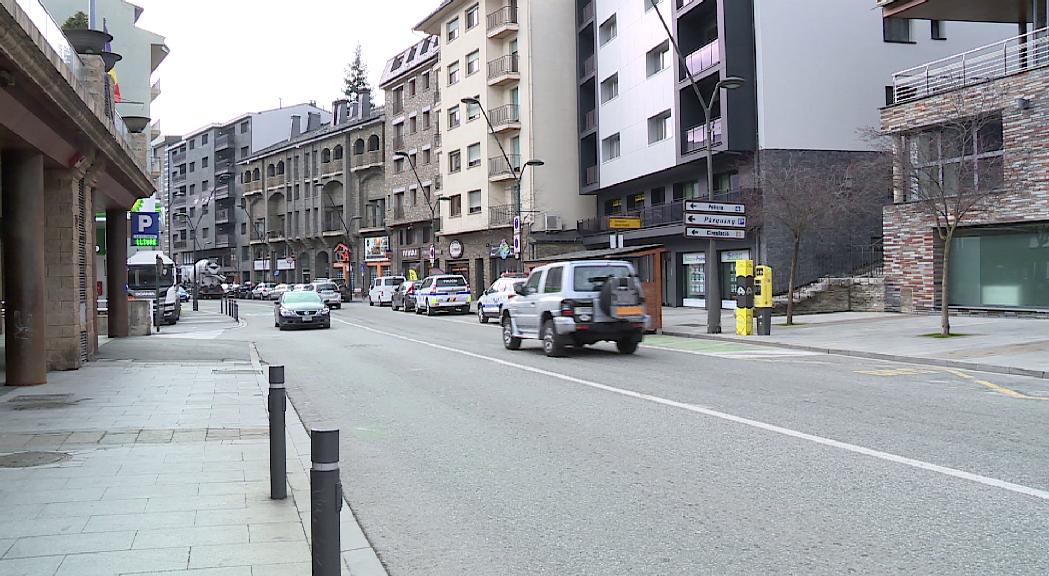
x=577, y=303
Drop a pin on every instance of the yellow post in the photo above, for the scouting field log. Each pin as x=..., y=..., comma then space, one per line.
x=744, y=297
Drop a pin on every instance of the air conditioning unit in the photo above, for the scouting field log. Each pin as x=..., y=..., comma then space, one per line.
x=551, y=223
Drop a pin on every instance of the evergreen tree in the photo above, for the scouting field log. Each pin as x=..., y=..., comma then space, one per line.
x=356, y=80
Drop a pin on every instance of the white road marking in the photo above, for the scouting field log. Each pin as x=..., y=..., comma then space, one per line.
x=740, y=354
x=953, y=472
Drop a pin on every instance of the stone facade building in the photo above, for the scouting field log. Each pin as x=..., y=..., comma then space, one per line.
x=307, y=195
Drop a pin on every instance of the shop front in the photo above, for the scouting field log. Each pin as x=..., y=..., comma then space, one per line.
x=411, y=263
x=1001, y=267
x=376, y=259
x=692, y=272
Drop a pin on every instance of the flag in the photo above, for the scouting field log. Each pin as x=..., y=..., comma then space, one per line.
x=112, y=73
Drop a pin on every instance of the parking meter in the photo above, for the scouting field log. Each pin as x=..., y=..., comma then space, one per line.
x=763, y=299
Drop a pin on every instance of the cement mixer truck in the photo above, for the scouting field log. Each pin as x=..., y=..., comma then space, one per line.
x=205, y=274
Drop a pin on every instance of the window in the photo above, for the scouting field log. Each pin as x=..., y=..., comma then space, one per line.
x=413, y=125
x=473, y=155
x=398, y=165
x=659, y=196
x=658, y=58
x=205, y=186
x=610, y=88
x=554, y=276
x=532, y=285
x=192, y=166
x=244, y=151
x=411, y=87
x=659, y=127
x=192, y=188
x=192, y=143
x=204, y=233
x=426, y=156
x=473, y=110
x=473, y=62
x=474, y=200
x=426, y=81
x=938, y=30
x=427, y=194
x=610, y=148
x=453, y=117
x=890, y=95
x=453, y=29
x=244, y=126
x=453, y=73
x=896, y=29
x=203, y=139
x=608, y=30
x=454, y=161
x=635, y=201
x=455, y=206
x=956, y=160
x=204, y=208
x=613, y=206
x=472, y=16
x=413, y=196
x=244, y=230
x=426, y=120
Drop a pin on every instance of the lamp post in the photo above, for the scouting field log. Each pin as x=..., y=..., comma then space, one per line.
x=713, y=286
x=515, y=171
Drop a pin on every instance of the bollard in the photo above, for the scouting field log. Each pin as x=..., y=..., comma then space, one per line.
x=325, y=501
x=236, y=311
x=277, y=404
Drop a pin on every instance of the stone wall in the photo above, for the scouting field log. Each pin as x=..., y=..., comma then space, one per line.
x=67, y=314
x=838, y=295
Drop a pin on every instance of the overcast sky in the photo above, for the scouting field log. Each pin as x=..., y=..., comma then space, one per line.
x=234, y=56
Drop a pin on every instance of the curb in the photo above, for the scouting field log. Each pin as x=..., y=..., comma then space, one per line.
x=1008, y=370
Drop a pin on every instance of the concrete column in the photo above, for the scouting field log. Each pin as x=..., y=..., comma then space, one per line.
x=116, y=272
x=24, y=272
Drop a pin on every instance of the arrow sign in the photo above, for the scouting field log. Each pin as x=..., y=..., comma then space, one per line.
x=696, y=206
x=716, y=220
x=691, y=232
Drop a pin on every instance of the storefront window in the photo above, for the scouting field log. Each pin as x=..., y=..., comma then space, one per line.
x=695, y=277
x=996, y=267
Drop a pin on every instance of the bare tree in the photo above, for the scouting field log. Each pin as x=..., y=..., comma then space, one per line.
x=950, y=171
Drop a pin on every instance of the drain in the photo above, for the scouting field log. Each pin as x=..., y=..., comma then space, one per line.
x=31, y=459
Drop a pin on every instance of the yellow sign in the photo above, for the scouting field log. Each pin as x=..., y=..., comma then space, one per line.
x=624, y=222
x=412, y=274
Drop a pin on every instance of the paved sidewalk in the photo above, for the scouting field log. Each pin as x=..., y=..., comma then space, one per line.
x=161, y=468
x=1005, y=345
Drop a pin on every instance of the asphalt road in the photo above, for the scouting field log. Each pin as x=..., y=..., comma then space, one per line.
x=694, y=457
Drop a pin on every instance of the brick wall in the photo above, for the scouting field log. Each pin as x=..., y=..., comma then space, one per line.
x=64, y=318
x=912, y=247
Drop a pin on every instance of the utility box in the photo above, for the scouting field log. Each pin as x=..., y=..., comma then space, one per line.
x=763, y=299
x=744, y=297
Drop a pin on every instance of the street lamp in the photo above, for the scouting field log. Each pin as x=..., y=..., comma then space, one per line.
x=514, y=171
x=713, y=288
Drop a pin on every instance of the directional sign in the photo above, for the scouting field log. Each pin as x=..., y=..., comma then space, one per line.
x=696, y=206
x=691, y=232
x=716, y=220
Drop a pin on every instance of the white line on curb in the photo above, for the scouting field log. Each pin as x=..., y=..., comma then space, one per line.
x=993, y=482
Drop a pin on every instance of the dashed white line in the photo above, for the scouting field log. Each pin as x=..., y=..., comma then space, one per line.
x=919, y=464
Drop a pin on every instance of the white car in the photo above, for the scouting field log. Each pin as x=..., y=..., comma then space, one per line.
x=490, y=304
x=279, y=291
x=329, y=292
x=381, y=290
x=443, y=292
x=262, y=291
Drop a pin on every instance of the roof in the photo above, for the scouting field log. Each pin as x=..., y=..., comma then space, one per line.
x=604, y=253
x=246, y=115
x=410, y=59
x=322, y=132
x=440, y=8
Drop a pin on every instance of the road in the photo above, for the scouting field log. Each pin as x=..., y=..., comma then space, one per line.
x=691, y=457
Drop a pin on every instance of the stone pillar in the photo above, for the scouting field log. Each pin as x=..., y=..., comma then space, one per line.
x=24, y=272
x=116, y=272
x=66, y=310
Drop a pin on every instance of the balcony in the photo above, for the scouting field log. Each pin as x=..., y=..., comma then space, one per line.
x=502, y=22
x=276, y=181
x=178, y=157
x=370, y=159
x=998, y=60
x=591, y=177
x=696, y=137
x=178, y=177
x=589, y=120
x=374, y=222
x=437, y=141
x=178, y=199
x=506, y=117
x=180, y=244
x=586, y=69
x=703, y=59
x=221, y=192
x=654, y=216
x=275, y=235
x=499, y=170
x=222, y=141
x=587, y=13
x=396, y=106
x=504, y=70
x=253, y=187
x=222, y=241
x=501, y=215
x=223, y=168
x=222, y=216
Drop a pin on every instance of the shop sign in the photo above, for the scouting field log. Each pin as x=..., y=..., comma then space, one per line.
x=694, y=258
x=342, y=252
x=503, y=250
x=461, y=268
x=377, y=248
x=624, y=222
x=733, y=255
x=410, y=253
x=262, y=264
x=286, y=263
x=455, y=249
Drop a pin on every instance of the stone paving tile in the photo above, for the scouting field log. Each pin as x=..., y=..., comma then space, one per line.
x=277, y=532
x=70, y=544
x=94, y=508
x=192, y=536
x=213, y=502
x=23, y=527
x=232, y=571
x=123, y=562
x=202, y=477
x=5, y=545
x=141, y=521
x=44, y=566
x=248, y=554
x=250, y=515
x=150, y=491
x=49, y=496
x=296, y=569
x=363, y=563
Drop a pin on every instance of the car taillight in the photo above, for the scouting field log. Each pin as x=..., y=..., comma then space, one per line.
x=567, y=308
x=509, y=296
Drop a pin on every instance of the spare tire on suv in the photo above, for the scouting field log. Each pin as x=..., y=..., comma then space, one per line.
x=619, y=291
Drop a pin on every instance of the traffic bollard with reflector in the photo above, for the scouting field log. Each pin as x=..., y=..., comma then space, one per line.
x=325, y=501
x=278, y=450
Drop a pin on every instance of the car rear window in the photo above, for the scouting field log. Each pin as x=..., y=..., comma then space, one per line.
x=590, y=278
x=451, y=281
x=323, y=287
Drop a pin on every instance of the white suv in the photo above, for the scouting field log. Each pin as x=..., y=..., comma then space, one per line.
x=381, y=291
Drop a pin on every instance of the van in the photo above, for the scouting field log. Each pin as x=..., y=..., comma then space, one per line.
x=381, y=290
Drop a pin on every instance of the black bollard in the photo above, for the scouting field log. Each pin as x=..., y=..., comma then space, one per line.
x=278, y=449
x=325, y=501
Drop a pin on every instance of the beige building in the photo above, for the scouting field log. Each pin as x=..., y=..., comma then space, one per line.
x=503, y=54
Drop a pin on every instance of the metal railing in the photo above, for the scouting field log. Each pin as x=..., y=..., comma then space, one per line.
x=587, y=66
x=651, y=217
x=53, y=35
x=221, y=240
x=696, y=136
x=277, y=234
x=502, y=17
x=178, y=178
x=703, y=59
x=998, y=60
x=497, y=166
x=503, y=66
x=589, y=120
x=180, y=243
x=591, y=175
x=504, y=115
x=501, y=215
x=178, y=157
x=221, y=192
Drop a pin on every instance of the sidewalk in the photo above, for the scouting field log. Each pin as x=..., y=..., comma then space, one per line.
x=155, y=467
x=1005, y=345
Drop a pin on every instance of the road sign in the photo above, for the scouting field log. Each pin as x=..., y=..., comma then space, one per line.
x=697, y=206
x=716, y=220
x=624, y=222
x=433, y=254
x=517, y=224
x=692, y=232
x=517, y=245
x=145, y=228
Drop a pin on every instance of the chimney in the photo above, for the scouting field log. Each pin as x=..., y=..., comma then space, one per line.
x=313, y=121
x=296, y=125
x=339, y=108
x=365, y=100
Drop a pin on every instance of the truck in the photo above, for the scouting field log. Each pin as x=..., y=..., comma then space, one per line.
x=205, y=274
x=143, y=283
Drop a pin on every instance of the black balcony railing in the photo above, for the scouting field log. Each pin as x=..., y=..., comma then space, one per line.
x=696, y=136
x=662, y=215
x=501, y=215
x=502, y=17
x=505, y=115
x=503, y=66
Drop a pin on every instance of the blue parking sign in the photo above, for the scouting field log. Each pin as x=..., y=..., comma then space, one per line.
x=145, y=229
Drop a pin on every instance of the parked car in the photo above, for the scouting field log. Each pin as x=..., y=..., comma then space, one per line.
x=301, y=287
x=443, y=292
x=262, y=290
x=245, y=290
x=329, y=293
x=279, y=291
x=183, y=296
x=381, y=290
x=404, y=296
x=578, y=302
x=344, y=289
x=490, y=304
x=301, y=309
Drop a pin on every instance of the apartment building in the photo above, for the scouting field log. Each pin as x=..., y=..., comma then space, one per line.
x=410, y=82
x=315, y=196
x=204, y=195
x=160, y=173
x=999, y=255
x=814, y=81
x=501, y=61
